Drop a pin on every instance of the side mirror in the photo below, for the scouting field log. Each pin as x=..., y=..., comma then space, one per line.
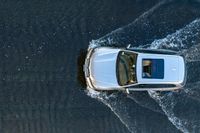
x=127, y=91
x=128, y=46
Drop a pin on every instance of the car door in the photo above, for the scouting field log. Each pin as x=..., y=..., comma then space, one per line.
x=153, y=51
x=141, y=87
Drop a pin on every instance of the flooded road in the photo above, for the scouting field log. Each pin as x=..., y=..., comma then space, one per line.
x=42, y=45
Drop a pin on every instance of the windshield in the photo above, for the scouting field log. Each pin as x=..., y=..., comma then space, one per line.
x=126, y=68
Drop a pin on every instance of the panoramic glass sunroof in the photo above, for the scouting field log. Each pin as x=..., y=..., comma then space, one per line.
x=153, y=68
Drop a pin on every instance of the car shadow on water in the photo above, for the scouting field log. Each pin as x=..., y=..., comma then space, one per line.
x=80, y=63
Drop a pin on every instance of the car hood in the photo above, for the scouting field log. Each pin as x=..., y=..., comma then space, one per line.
x=103, y=68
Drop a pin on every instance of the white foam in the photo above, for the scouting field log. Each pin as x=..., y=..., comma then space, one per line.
x=94, y=44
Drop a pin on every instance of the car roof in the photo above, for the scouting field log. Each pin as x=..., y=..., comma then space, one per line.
x=174, y=69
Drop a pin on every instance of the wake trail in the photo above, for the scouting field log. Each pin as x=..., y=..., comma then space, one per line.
x=144, y=100
x=180, y=40
x=167, y=105
x=104, y=98
x=120, y=36
x=128, y=112
x=186, y=41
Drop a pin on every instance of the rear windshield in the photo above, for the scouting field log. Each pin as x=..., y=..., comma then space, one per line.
x=153, y=68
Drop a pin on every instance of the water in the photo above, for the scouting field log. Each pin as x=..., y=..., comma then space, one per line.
x=42, y=48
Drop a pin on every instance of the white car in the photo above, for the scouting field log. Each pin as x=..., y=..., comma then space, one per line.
x=108, y=68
